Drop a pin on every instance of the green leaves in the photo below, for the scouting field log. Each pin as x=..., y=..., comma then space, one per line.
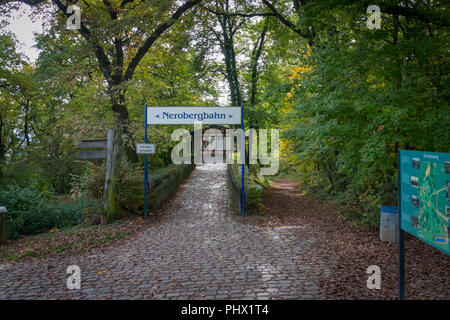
x=368, y=94
x=29, y=212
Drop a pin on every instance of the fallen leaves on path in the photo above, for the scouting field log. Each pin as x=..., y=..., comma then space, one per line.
x=349, y=250
x=71, y=241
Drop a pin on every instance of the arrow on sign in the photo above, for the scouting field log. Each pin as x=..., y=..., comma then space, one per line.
x=188, y=115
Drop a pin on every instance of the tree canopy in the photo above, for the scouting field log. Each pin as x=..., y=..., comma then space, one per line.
x=345, y=96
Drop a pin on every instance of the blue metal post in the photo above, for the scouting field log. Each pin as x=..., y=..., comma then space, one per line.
x=145, y=165
x=401, y=240
x=243, y=162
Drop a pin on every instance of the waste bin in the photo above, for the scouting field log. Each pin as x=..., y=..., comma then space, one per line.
x=2, y=225
x=389, y=224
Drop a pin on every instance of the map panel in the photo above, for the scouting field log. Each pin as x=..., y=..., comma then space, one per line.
x=425, y=196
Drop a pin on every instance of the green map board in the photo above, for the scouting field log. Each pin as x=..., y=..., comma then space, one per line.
x=425, y=196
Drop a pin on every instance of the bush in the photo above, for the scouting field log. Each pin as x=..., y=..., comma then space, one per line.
x=30, y=212
x=130, y=193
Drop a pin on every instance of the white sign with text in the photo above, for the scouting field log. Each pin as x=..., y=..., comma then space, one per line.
x=145, y=148
x=189, y=115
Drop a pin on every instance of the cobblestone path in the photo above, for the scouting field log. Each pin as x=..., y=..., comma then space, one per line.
x=196, y=250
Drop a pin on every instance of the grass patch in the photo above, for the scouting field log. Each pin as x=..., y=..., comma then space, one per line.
x=70, y=240
x=17, y=257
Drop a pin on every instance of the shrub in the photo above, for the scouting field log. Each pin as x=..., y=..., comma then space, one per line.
x=30, y=212
x=254, y=189
x=130, y=193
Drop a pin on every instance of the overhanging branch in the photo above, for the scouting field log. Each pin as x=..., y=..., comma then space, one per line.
x=155, y=35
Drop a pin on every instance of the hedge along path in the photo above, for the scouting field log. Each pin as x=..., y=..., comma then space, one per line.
x=196, y=249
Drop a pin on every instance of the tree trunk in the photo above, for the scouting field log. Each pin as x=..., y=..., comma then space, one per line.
x=61, y=188
x=112, y=176
x=2, y=145
x=123, y=124
x=26, y=130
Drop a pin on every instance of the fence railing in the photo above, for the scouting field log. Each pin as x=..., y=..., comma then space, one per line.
x=235, y=188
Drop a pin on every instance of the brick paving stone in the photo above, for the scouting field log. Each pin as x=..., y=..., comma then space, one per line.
x=196, y=249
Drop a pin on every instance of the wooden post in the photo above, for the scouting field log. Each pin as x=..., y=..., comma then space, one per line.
x=109, y=150
x=111, y=176
x=3, y=213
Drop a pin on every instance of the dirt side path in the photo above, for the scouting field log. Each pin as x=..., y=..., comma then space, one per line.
x=351, y=249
